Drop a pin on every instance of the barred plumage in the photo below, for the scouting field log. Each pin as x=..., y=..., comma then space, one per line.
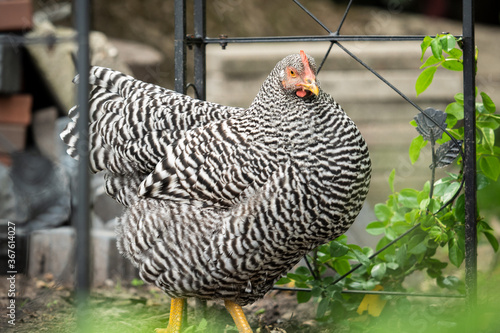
x=222, y=201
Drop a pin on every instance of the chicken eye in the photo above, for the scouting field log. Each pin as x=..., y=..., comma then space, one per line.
x=292, y=73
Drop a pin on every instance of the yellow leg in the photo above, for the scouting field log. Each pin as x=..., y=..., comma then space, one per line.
x=238, y=316
x=175, y=322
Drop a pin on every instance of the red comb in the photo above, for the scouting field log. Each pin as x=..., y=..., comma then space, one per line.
x=305, y=61
x=304, y=57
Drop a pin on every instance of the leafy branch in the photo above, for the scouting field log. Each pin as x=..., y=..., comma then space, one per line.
x=451, y=60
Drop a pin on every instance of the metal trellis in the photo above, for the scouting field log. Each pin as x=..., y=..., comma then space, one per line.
x=199, y=40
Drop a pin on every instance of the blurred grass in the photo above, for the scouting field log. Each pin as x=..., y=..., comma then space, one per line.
x=141, y=309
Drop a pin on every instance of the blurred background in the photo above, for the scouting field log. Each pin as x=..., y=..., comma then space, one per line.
x=37, y=179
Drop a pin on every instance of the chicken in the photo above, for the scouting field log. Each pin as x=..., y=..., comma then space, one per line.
x=220, y=201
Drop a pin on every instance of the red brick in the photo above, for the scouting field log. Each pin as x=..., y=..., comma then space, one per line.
x=16, y=15
x=16, y=109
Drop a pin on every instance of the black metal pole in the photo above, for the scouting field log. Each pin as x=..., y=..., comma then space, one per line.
x=199, y=48
x=180, y=46
x=470, y=151
x=312, y=38
x=470, y=155
x=82, y=211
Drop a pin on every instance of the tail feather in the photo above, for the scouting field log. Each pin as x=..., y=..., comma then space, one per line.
x=131, y=125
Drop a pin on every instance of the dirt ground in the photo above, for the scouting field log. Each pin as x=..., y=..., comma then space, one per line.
x=42, y=305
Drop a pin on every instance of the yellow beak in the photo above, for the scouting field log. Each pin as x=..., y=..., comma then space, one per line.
x=311, y=86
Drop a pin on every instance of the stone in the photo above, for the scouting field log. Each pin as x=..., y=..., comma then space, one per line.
x=53, y=251
x=44, y=124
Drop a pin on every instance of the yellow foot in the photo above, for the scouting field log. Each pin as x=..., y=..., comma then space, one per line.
x=175, y=322
x=238, y=316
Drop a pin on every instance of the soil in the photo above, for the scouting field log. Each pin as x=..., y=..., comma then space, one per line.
x=42, y=305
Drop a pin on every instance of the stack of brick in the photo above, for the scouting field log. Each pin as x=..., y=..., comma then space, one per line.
x=15, y=108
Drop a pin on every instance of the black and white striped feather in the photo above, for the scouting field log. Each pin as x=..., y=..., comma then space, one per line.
x=222, y=201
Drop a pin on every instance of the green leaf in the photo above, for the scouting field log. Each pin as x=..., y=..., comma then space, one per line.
x=401, y=255
x=455, y=252
x=338, y=249
x=449, y=282
x=415, y=147
x=447, y=43
x=382, y=212
x=427, y=221
x=488, y=103
x=137, y=282
x=482, y=181
x=417, y=244
x=489, y=137
x=392, y=265
x=283, y=280
x=459, y=98
x=429, y=204
x=375, y=228
x=435, y=231
x=440, y=187
x=341, y=266
x=482, y=225
x=323, y=305
x=378, y=271
x=453, y=65
x=455, y=109
x=455, y=53
x=480, y=108
x=316, y=291
x=382, y=243
x=303, y=296
x=450, y=191
x=202, y=326
x=424, y=80
x=430, y=61
x=408, y=198
x=451, y=121
x=490, y=167
x=424, y=46
x=302, y=270
x=424, y=203
x=391, y=179
x=411, y=217
x=460, y=208
x=437, y=48
x=490, y=122
x=400, y=227
x=297, y=277
x=362, y=258
x=492, y=239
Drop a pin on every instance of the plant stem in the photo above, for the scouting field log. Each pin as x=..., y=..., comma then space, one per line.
x=433, y=166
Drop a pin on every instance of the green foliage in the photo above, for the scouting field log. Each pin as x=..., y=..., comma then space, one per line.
x=420, y=225
x=199, y=328
x=451, y=59
x=136, y=282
